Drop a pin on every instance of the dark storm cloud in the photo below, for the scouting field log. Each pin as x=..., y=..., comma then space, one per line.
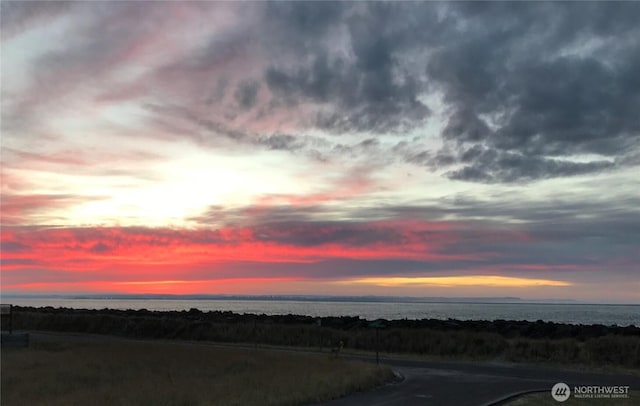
x=553, y=80
x=525, y=86
x=529, y=84
x=362, y=100
x=367, y=87
x=494, y=165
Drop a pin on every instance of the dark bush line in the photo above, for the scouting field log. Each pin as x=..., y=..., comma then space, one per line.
x=511, y=340
x=504, y=328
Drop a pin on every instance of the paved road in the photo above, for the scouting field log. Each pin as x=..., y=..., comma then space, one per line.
x=437, y=383
x=472, y=384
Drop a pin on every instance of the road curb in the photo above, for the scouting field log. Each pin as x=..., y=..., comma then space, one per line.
x=503, y=400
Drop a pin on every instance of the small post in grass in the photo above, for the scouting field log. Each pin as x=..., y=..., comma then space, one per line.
x=377, y=325
x=6, y=323
x=319, y=324
x=255, y=333
x=7, y=314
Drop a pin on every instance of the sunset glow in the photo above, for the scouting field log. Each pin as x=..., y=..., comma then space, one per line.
x=453, y=281
x=334, y=148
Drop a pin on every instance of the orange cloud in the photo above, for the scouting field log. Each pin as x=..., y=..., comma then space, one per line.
x=455, y=281
x=173, y=287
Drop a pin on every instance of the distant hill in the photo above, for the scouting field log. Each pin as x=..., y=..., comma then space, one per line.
x=309, y=298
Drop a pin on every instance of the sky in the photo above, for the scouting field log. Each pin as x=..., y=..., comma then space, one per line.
x=359, y=148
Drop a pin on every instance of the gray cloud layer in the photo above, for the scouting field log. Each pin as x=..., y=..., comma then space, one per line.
x=548, y=235
x=527, y=87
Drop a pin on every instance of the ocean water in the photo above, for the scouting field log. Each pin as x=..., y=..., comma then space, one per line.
x=621, y=315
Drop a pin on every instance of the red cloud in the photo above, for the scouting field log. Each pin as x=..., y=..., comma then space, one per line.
x=136, y=253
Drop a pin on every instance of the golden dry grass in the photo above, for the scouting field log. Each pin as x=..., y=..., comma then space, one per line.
x=150, y=373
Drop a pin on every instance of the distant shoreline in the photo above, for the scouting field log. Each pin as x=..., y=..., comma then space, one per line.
x=365, y=307
x=317, y=298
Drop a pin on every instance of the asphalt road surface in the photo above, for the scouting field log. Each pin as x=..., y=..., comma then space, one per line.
x=472, y=384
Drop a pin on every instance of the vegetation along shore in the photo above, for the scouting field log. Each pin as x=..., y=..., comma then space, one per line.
x=514, y=341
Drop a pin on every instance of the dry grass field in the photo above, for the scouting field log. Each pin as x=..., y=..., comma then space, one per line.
x=149, y=373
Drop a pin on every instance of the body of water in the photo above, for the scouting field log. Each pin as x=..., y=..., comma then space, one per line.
x=621, y=315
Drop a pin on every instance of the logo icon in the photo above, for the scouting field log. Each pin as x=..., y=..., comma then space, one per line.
x=560, y=392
